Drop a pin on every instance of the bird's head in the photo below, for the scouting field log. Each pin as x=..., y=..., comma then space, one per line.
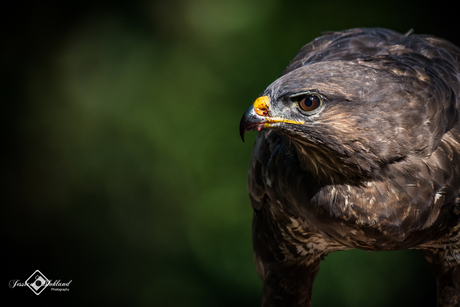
x=350, y=117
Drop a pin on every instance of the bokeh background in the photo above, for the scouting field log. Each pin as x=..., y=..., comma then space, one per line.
x=122, y=164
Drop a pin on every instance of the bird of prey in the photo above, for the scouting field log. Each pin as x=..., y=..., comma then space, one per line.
x=358, y=147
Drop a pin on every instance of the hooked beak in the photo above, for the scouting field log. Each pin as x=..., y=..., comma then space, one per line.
x=257, y=117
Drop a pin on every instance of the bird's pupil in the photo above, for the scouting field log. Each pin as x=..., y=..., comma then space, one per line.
x=309, y=101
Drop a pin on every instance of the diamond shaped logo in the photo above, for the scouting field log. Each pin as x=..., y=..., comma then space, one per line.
x=37, y=282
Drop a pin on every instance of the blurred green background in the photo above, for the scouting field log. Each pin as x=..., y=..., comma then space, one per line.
x=123, y=168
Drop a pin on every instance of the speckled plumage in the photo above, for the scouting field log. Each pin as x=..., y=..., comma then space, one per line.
x=376, y=168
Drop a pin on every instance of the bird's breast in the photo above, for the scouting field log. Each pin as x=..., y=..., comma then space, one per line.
x=410, y=205
x=374, y=215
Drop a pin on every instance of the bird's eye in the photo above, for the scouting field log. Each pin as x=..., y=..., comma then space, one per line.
x=309, y=102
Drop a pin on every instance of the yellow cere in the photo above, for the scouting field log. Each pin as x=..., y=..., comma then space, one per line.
x=261, y=108
x=261, y=105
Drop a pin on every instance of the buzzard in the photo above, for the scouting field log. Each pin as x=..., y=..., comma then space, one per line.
x=358, y=147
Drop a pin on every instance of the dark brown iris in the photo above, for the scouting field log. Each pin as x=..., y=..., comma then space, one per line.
x=309, y=102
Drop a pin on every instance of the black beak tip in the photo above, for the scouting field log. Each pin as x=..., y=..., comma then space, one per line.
x=250, y=121
x=242, y=128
